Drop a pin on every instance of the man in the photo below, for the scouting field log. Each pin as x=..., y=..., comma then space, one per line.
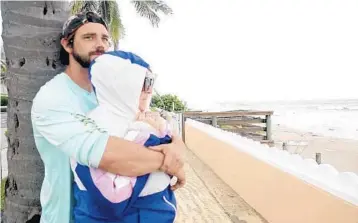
x=62, y=130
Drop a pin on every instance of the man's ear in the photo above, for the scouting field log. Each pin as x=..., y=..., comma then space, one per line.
x=67, y=45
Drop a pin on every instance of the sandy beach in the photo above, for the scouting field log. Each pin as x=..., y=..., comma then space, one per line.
x=340, y=153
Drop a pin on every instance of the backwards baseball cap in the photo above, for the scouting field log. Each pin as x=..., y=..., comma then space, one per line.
x=78, y=20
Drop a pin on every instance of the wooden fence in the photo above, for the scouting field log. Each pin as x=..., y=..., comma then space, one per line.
x=251, y=124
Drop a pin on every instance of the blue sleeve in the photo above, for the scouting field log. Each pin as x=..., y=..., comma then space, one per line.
x=69, y=130
x=155, y=140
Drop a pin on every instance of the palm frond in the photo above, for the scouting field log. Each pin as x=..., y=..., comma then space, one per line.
x=116, y=28
x=105, y=10
x=91, y=6
x=78, y=6
x=144, y=10
x=109, y=10
x=160, y=6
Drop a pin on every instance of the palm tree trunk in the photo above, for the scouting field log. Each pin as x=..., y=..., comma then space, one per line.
x=31, y=43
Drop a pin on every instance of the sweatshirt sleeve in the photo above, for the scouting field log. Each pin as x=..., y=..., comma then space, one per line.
x=71, y=131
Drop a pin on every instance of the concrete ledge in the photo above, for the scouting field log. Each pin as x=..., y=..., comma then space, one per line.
x=278, y=196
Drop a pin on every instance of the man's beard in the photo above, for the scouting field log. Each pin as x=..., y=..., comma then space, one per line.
x=84, y=62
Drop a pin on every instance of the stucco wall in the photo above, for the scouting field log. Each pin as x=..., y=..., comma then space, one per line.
x=278, y=195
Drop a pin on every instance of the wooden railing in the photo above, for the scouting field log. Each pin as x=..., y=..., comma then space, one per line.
x=251, y=124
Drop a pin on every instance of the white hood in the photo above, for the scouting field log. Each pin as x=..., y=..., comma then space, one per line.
x=118, y=83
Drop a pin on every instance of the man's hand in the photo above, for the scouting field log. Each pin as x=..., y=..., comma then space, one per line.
x=174, y=155
x=181, y=180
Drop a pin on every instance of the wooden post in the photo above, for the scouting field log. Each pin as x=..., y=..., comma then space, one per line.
x=284, y=146
x=268, y=127
x=183, y=126
x=214, y=121
x=318, y=158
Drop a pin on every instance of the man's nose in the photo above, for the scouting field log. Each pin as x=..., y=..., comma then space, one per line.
x=100, y=44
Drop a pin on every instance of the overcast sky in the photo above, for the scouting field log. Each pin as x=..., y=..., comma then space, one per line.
x=233, y=50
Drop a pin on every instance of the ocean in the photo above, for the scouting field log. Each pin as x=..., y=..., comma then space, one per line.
x=334, y=118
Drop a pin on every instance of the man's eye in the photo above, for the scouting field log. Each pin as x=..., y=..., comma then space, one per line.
x=105, y=39
x=88, y=37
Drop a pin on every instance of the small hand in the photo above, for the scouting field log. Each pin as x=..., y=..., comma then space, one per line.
x=155, y=120
x=181, y=180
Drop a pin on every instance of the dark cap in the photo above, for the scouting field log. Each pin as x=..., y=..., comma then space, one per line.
x=76, y=21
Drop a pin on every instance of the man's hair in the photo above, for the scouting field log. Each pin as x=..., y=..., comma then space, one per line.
x=70, y=27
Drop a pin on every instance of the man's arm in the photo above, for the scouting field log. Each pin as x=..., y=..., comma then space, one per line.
x=129, y=159
x=82, y=140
